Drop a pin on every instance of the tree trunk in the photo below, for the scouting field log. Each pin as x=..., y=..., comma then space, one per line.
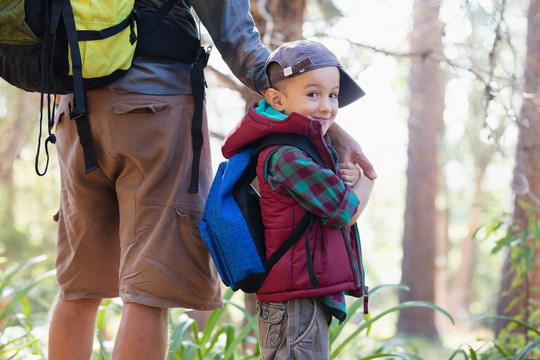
x=526, y=184
x=425, y=123
x=278, y=22
x=462, y=286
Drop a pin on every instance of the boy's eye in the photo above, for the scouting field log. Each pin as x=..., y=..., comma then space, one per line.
x=312, y=94
x=333, y=96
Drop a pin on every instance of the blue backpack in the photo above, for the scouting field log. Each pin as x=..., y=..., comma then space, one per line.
x=231, y=225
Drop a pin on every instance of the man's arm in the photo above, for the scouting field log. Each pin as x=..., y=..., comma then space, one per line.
x=349, y=150
x=233, y=31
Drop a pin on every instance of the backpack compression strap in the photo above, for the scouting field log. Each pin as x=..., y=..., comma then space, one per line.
x=78, y=111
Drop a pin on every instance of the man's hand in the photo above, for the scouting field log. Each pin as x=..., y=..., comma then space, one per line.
x=349, y=150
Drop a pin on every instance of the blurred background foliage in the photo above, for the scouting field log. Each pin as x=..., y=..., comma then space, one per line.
x=482, y=75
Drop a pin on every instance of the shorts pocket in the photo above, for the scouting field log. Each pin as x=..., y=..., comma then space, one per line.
x=313, y=341
x=140, y=107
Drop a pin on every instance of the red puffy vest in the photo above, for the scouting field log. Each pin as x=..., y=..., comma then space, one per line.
x=336, y=252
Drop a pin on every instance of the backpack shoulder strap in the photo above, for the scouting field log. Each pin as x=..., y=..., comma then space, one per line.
x=299, y=141
x=303, y=143
x=158, y=16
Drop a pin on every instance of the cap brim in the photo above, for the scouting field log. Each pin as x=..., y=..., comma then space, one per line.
x=349, y=90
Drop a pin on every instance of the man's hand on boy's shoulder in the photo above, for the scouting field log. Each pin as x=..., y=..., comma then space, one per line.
x=349, y=150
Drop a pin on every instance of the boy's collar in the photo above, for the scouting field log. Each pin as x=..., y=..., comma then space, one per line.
x=264, y=108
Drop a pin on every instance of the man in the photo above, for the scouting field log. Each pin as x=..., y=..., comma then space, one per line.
x=129, y=228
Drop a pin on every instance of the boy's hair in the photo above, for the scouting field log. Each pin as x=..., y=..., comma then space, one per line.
x=296, y=57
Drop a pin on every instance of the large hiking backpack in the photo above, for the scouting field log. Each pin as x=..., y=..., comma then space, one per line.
x=52, y=47
x=232, y=226
x=34, y=41
x=67, y=46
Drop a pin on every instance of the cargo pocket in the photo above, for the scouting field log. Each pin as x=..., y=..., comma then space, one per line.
x=148, y=123
x=271, y=324
x=140, y=107
x=189, y=224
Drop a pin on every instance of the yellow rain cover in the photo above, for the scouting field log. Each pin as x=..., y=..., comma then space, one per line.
x=102, y=57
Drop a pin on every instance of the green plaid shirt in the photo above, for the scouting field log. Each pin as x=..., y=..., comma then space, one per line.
x=317, y=190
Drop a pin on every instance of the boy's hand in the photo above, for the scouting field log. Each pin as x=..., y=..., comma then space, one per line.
x=350, y=172
x=362, y=188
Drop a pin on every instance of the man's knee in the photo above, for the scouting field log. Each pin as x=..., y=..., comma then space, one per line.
x=144, y=311
x=78, y=307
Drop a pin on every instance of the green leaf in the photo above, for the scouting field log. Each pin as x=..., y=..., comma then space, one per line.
x=394, y=355
x=103, y=354
x=530, y=207
x=22, y=293
x=459, y=351
x=376, y=289
x=366, y=324
x=213, y=341
x=511, y=319
x=215, y=317
x=251, y=325
x=189, y=350
x=504, y=350
x=14, y=269
x=489, y=229
x=527, y=349
x=178, y=335
x=358, y=305
x=473, y=353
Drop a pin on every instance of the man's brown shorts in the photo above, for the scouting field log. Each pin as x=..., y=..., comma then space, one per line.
x=129, y=228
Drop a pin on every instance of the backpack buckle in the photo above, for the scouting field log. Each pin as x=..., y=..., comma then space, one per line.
x=75, y=114
x=203, y=54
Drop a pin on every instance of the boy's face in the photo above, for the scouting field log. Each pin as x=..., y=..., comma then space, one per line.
x=313, y=94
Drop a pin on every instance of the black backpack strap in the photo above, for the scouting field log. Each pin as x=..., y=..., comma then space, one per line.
x=159, y=39
x=306, y=223
x=289, y=242
x=197, y=88
x=299, y=141
x=311, y=269
x=78, y=110
x=87, y=35
x=158, y=16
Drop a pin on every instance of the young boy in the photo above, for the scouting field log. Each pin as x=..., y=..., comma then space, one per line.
x=306, y=287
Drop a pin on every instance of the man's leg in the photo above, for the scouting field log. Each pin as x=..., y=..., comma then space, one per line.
x=71, y=329
x=143, y=333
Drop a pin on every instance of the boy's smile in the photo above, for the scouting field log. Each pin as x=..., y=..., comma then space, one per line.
x=313, y=94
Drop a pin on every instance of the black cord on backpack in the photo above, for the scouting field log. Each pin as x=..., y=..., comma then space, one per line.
x=47, y=52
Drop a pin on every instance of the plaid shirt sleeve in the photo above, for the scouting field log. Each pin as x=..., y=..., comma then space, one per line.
x=316, y=189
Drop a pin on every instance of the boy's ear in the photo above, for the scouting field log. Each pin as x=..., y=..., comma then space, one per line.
x=275, y=98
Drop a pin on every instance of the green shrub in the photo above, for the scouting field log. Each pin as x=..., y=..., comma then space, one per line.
x=18, y=337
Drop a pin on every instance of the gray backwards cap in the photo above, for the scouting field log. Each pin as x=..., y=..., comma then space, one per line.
x=300, y=56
